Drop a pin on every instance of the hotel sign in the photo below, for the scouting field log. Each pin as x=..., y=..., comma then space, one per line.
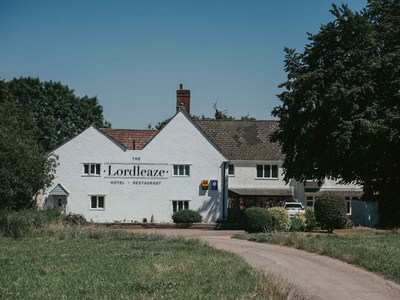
x=204, y=184
x=142, y=170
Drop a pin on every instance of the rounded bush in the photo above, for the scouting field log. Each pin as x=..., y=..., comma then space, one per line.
x=331, y=211
x=186, y=216
x=311, y=221
x=280, y=219
x=75, y=219
x=256, y=219
x=297, y=224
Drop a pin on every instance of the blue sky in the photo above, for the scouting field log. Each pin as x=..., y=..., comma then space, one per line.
x=134, y=54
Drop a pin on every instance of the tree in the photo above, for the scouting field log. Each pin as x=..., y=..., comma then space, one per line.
x=340, y=112
x=25, y=167
x=57, y=113
x=221, y=114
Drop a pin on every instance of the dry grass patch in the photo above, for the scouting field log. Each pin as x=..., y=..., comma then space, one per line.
x=99, y=263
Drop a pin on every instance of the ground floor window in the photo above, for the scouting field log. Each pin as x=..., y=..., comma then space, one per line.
x=310, y=202
x=348, y=199
x=97, y=202
x=179, y=205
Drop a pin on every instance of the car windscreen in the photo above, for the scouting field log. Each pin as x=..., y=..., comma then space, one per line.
x=293, y=205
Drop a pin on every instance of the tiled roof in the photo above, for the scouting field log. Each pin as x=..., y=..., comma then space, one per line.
x=237, y=139
x=132, y=139
x=243, y=139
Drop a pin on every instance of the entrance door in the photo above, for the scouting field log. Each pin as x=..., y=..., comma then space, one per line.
x=59, y=202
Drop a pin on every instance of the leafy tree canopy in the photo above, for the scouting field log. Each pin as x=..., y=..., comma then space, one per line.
x=340, y=111
x=25, y=167
x=57, y=113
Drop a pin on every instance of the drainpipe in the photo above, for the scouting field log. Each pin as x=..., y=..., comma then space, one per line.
x=224, y=184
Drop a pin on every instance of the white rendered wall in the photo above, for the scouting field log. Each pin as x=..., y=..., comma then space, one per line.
x=246, y=176
x=130, y=199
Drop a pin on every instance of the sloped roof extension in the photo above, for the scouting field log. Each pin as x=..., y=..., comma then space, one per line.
x=132, y=139
x=243, y=139
x=59, y=190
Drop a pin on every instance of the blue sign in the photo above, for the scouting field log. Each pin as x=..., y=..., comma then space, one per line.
x=214, y=184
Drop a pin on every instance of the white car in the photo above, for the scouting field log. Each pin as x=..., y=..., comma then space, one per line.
x=294, y=208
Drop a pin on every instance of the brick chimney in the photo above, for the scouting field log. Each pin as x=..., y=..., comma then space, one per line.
x=183, y=99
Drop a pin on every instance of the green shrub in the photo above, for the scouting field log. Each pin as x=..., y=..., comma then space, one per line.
x=349, y=224
x=311, y=221
x=331, y=211
x=24, y=223
x=280, y=219
x=19, y=224
x=298, y=223
x=187, y=216
x=52, y=214
x=75, y=219
x=257, y=219
x=14, y=224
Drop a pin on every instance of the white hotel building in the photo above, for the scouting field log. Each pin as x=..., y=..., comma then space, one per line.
x=211, y=166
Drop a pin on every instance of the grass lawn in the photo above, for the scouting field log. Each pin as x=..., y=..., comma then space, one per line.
x=113, y=264
x=374, y=250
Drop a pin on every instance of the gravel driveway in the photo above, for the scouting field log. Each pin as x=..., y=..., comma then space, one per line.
x=313, y=276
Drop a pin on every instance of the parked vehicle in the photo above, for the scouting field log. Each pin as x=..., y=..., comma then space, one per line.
x=294, y=208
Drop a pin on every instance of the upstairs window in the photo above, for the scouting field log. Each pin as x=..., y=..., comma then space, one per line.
x=181, y=170
x=91, y=169
x=231, y=170
x=267, y=171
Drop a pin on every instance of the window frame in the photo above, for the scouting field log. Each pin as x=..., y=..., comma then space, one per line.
x=310, y=199
x=267, y=171
x=181, y=170
x=91, y=169
x=231, y=170
x=99, y=199
x=178, y=205
x=349, y=206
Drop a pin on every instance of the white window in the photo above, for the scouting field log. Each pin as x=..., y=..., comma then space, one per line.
x=310, y=202
x=267, y=171
x=348, y=205
x=91, y=169
x=231, y=170
x=181, y=170
x=97, y=202
x=179, y=205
